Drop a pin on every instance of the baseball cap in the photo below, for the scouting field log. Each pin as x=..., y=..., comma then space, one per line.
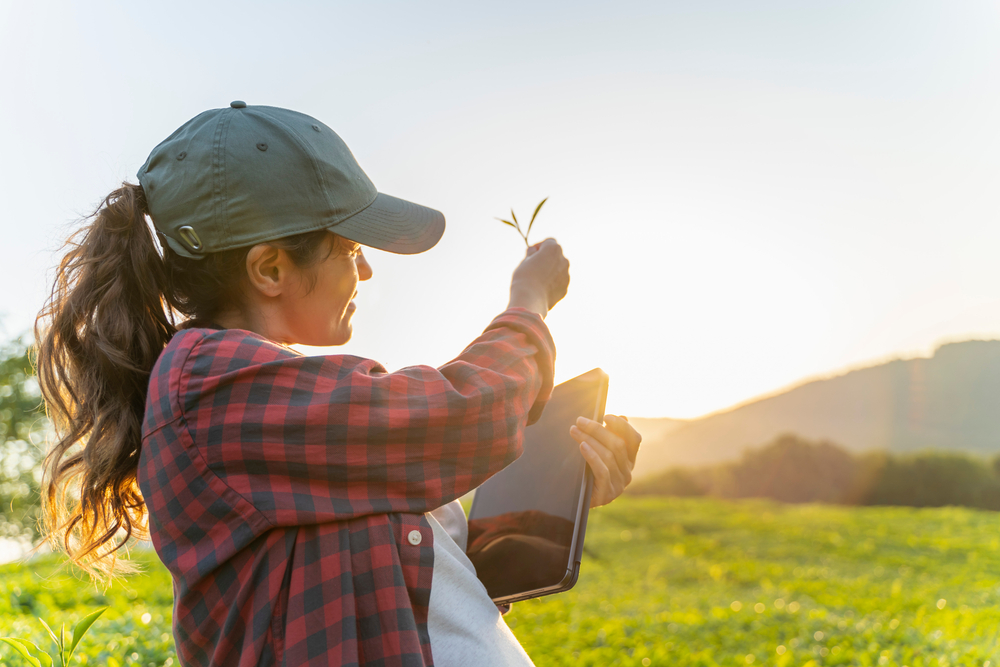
x=243, y=175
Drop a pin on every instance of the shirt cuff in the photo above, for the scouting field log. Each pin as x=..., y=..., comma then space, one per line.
x=531, y=325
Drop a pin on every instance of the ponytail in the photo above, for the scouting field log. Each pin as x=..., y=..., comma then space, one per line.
x=109, y=316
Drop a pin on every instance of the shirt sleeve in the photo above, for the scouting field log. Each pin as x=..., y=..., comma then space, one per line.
x=314, y=439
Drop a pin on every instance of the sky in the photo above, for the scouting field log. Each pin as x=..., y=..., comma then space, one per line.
x=750, y=194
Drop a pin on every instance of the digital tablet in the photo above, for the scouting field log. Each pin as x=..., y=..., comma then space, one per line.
x=527, y=522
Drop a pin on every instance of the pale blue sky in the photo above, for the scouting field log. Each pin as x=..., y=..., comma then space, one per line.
x=750, y=193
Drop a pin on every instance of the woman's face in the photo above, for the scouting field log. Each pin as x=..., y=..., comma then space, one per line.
x=321, y=315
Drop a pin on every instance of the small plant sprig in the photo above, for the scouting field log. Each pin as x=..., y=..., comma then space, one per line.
x=64, y=653
x=517, y=226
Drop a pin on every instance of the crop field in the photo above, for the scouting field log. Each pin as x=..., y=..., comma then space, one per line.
x=670, y=582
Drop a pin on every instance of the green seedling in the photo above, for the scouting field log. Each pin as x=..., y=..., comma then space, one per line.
x=64, y=646
x=514, y=223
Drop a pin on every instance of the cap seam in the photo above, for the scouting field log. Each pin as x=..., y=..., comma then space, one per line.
x=225, y=174
x=217, y=202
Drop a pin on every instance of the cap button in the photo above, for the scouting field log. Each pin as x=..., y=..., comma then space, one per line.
x=238, y=104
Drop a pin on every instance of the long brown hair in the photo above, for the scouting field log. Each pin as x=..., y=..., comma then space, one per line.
x=115, y=304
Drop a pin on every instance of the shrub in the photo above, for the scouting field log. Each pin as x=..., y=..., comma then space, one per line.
x=932, y=479
x=794, y=470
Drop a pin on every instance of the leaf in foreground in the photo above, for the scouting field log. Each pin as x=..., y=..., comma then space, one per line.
x=24, y=648
x=81, y=628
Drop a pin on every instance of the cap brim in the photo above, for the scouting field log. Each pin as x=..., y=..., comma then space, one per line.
x=394, y=225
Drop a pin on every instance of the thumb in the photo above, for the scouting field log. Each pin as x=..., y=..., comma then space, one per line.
x=533, y=249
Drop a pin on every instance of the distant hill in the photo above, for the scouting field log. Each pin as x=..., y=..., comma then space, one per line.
x=950, y=401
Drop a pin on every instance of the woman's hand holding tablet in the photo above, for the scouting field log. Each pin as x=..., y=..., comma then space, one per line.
x=610, y=452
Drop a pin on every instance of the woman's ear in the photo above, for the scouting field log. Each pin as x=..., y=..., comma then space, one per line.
x=268, y=270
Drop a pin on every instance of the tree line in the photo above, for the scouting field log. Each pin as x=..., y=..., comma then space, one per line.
x=792, y=469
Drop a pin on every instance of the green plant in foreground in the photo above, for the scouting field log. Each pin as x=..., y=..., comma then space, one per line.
x=517, y=226
x=65, y=653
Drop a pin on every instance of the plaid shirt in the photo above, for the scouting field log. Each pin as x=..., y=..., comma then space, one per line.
x=286, y=494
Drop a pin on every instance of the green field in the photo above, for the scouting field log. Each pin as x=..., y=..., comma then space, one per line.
x=676, y=582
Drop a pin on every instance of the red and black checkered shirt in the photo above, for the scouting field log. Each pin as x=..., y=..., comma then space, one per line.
x=283, y=490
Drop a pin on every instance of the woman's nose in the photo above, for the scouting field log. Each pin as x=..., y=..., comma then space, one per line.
x=364, y=268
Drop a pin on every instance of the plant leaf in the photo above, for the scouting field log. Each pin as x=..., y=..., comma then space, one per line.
x=507, y=222
x=517, y=225
x=23, y=646
x=533, y=216
x=62, y=645
x=51, y=634
x=81, y=628
x=538, y=208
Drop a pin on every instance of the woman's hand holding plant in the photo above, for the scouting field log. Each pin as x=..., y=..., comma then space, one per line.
x=541, y=279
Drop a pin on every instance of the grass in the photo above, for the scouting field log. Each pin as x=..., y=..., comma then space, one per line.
x=705, y=582
x=674, y=582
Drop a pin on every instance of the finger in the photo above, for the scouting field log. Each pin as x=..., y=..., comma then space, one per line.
x=609, y=439
x=620, y=426
x=620, y=476
x=550, y=246
x=602, y=477
x=600, y=448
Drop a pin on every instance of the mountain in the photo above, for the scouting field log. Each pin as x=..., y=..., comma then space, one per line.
x=950, y=401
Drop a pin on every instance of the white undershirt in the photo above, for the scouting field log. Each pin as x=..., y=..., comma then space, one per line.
x=464, y=625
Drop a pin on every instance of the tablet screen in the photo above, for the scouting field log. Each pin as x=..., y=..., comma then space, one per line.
x=524, y=519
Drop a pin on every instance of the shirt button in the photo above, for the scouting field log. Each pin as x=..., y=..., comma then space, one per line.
x=415, y=537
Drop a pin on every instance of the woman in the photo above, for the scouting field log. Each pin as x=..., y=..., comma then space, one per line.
x=289, y=496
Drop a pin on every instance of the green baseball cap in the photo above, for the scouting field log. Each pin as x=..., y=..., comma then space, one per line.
x=248, y=174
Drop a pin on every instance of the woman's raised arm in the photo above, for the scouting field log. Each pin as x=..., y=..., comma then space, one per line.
x=314, y=439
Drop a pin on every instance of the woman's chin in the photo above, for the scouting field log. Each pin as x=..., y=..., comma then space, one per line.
x=342, y=336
